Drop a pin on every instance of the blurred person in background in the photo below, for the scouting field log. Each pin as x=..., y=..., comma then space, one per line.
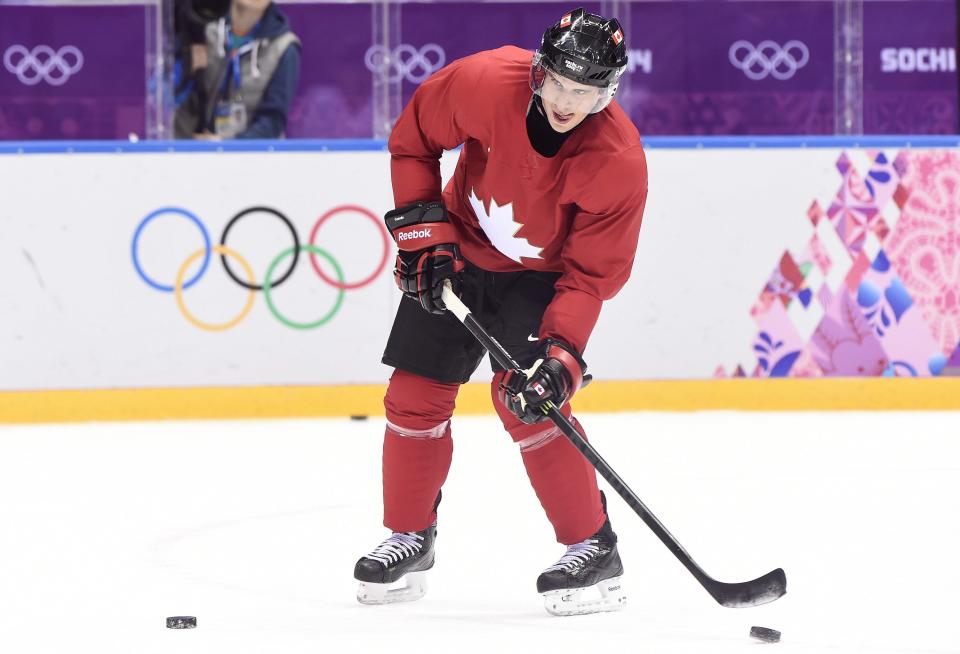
x=190, y=18
x=239, y=81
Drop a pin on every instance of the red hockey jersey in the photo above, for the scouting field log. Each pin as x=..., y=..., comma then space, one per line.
x=577, y=213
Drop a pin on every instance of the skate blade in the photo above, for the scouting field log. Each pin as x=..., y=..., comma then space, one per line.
x=570, y=601
x=410, y=587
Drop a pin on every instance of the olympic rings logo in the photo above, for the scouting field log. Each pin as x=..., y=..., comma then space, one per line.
x=248, y=281
x=43, y=64
x=769, y=58
x=405, y=62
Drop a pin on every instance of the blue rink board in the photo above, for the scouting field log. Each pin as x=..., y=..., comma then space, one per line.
x=372, y=145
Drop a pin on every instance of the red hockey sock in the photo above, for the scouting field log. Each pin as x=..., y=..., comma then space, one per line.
x=565, y=482
x=417, y=449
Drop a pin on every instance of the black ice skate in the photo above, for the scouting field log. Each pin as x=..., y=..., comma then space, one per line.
x=396, y=570
x=591, y=564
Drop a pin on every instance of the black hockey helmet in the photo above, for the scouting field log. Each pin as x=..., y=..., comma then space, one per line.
x=585, y=48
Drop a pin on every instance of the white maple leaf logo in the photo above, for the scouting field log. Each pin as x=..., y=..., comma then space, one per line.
x=501, y=229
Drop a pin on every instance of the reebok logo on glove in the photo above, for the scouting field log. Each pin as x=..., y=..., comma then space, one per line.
x=417, y=233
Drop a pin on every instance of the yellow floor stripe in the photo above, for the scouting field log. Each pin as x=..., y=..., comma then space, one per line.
x=318, y=401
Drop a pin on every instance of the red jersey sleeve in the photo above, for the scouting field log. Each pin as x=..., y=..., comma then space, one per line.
x=599, y=251
x=435, y=119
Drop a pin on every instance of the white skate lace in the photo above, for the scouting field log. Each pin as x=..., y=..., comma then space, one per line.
x=576, y=555
x=399, y=546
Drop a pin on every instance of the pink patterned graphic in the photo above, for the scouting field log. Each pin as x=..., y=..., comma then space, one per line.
x=896, y=309
x=855, y=210
x=954, y=361
x=881, y=229
x=860, y=266
x=844, y=343
x=817, y=254
x=785, y=282
x=777, y=343
x=925, y=245
x=825, y=295
x=904, y=336
x=883, y=180
x=815, y=213
x=851, y=211
x=806, y=365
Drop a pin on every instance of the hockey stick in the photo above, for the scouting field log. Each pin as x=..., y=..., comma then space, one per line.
x=767, y=588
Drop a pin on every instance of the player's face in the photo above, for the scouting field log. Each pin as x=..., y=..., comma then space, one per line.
x=566, y=102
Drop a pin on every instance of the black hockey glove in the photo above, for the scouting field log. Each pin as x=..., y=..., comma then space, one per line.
x=553, y=379
x=428, y=252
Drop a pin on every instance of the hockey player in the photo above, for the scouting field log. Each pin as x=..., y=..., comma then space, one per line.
x=537, y=227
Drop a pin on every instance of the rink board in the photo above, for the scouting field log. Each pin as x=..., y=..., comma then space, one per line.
x=744, y=254
x=361, y=402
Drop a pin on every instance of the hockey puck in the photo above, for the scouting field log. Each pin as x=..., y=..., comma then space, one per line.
x=181, y=622
x=358, y=417
x=764, y=634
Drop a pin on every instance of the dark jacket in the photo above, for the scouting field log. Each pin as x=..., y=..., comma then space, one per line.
x=270, y=119
x=266, y=113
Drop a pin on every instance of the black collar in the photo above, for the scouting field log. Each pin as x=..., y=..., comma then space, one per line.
x=544, y=139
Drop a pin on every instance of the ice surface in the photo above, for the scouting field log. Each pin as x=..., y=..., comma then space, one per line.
x=254, y=527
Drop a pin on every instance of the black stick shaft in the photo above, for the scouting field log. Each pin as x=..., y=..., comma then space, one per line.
x=502, y=357
x=624, y=491
x=497, y=351
x=758, y=591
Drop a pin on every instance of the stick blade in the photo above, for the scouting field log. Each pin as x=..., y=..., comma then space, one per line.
x=762, y=590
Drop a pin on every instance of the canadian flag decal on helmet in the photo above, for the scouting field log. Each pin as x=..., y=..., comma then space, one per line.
x=565, y=21
x=617, y=37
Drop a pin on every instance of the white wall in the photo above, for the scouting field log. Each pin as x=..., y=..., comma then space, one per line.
x=75, y=314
